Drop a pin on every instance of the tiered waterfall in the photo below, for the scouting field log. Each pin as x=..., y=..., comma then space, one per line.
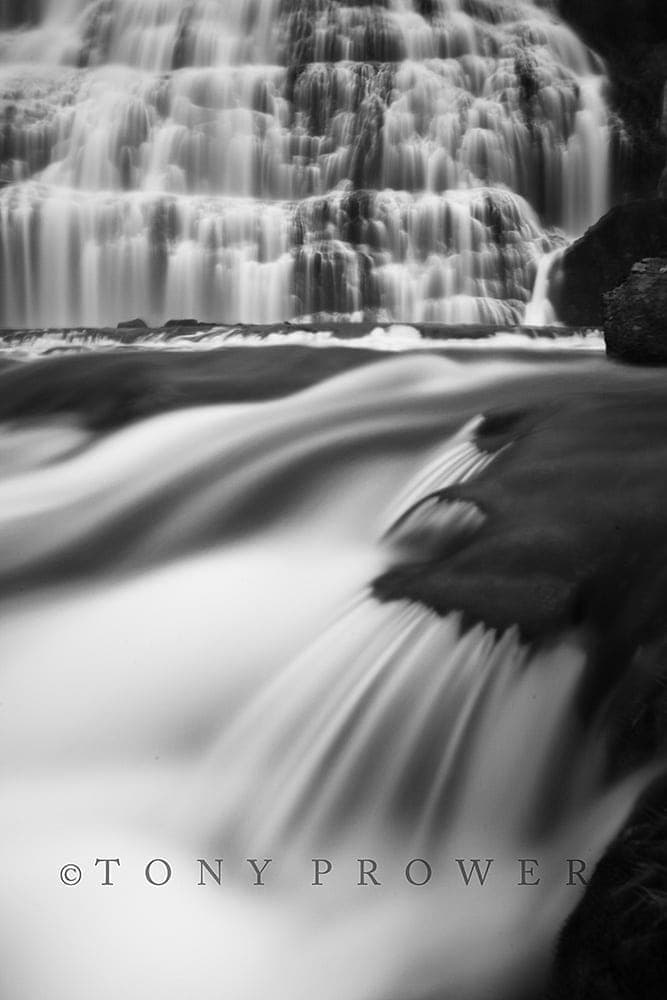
x=260, y=160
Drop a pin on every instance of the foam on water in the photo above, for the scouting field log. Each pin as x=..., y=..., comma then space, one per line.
x=397, y=337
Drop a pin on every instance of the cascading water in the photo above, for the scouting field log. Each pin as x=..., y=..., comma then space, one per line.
x=220, y=683
x=194, y=663
x=256, y=161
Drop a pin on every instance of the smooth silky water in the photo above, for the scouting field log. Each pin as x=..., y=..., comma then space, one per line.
x=256, y=161
x=212, y=678
x=222, y=684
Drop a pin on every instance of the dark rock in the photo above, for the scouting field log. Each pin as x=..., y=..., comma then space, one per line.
x=574, y=537
x=637, y=711
x=603, y=258
x=613, y=947
x=662, y=184
x=180, y=322
x=635, y=321
x=133, y=324
x=14, y=13
x=631, y=35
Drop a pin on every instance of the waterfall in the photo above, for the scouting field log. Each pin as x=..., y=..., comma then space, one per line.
x=258, y=161
x=539, y=311
x=192, y=672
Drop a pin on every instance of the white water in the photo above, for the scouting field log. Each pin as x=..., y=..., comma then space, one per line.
x=539, y=311
x=396, y=338
x=254, y=162
x=231, y=690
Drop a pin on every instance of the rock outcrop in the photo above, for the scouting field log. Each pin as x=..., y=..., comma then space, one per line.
x=133, y=324
x=635, y=317
x=613, y=945
x=603, y=258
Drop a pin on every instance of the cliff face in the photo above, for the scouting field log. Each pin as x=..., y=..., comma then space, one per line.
x=631, y=35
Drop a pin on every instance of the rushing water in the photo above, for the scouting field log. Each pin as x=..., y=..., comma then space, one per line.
x=254, y=161
x=193, y=663
x=220, y=683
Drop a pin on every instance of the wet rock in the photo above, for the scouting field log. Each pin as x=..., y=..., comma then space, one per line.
x=613, y=945
x=603, y=258
x=635, y=320
x=637, y=711
x=574, y=537
x=133, y=324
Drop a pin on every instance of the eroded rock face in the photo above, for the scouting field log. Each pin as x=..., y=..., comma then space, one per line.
x=635, y=315
x=613, y=945
x=603, y=258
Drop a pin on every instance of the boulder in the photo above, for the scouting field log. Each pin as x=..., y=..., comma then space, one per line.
x=635, y=320
x=603, y=258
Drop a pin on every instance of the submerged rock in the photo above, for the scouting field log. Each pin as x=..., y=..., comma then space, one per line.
x=603, y=258
x=613, y=945
x=635, y=315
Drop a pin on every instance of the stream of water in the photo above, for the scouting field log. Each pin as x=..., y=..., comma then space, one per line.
x=221, y=684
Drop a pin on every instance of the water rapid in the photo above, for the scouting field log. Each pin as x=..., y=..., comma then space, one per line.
x=256, y=161
x=192, y=672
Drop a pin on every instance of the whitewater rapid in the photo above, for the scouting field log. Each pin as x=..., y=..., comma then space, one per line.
x=219, y=682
